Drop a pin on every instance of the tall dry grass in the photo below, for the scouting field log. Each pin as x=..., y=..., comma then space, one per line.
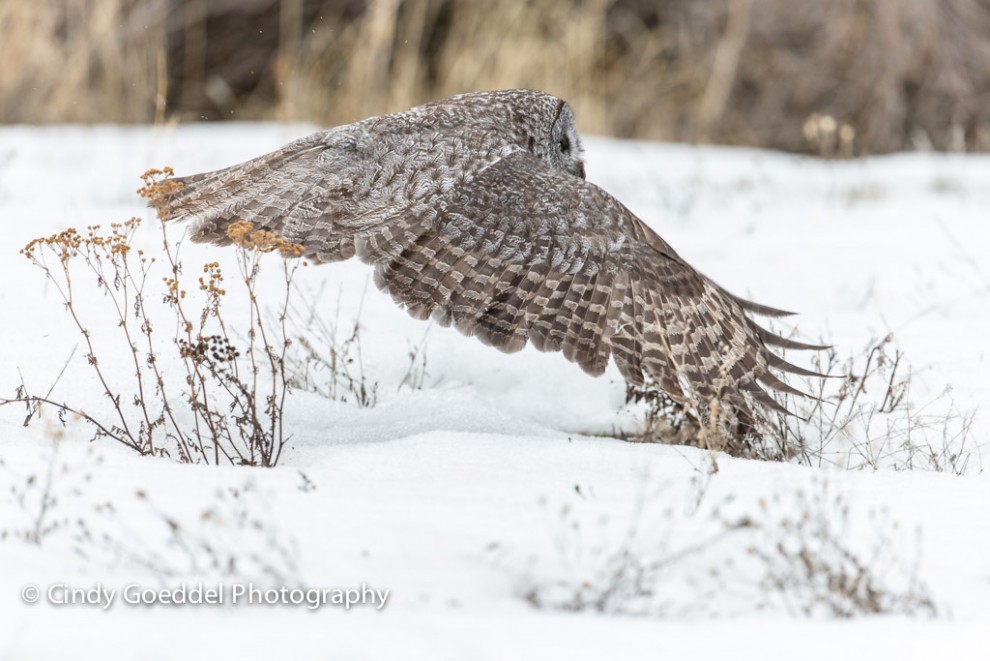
x=901, y=73
x=79, y=60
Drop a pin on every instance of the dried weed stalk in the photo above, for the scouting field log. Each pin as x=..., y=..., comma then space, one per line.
x=862, y=416
x=792, y=552
x=230, y=406
x=233, y=536
x=229, y=534
x=328, y=359
x=865, y=417
x=810, y=567
x=40, y=495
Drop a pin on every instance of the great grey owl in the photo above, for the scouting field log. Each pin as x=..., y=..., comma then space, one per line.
x=475, y=210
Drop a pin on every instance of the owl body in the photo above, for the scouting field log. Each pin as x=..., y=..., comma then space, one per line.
x=475, y=211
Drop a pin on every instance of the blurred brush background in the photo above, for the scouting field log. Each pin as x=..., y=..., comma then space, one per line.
x=841, y=77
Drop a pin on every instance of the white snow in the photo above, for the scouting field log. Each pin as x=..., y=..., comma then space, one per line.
x=499, y=476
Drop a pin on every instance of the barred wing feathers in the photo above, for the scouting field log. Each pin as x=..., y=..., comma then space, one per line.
x=524, y=252
x=515, y=252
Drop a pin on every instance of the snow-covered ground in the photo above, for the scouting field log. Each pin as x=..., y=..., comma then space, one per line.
x=496, y=484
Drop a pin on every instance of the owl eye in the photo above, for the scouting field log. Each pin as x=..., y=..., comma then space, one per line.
x=563, y=144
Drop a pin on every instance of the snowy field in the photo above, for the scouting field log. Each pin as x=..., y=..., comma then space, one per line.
x=491, y=501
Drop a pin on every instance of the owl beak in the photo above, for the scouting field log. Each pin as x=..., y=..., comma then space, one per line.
x=580, y=169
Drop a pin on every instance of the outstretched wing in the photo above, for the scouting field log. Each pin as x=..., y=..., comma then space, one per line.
x=526, y=253
x=518, y=252
x=321, y=191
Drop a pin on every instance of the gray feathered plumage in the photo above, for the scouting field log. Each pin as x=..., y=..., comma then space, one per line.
x=474, y=210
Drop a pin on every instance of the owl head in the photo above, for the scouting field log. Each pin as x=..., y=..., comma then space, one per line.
x=565, y=152
x=538, y=122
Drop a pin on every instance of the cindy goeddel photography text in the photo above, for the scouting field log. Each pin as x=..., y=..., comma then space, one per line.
x=103, y=596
